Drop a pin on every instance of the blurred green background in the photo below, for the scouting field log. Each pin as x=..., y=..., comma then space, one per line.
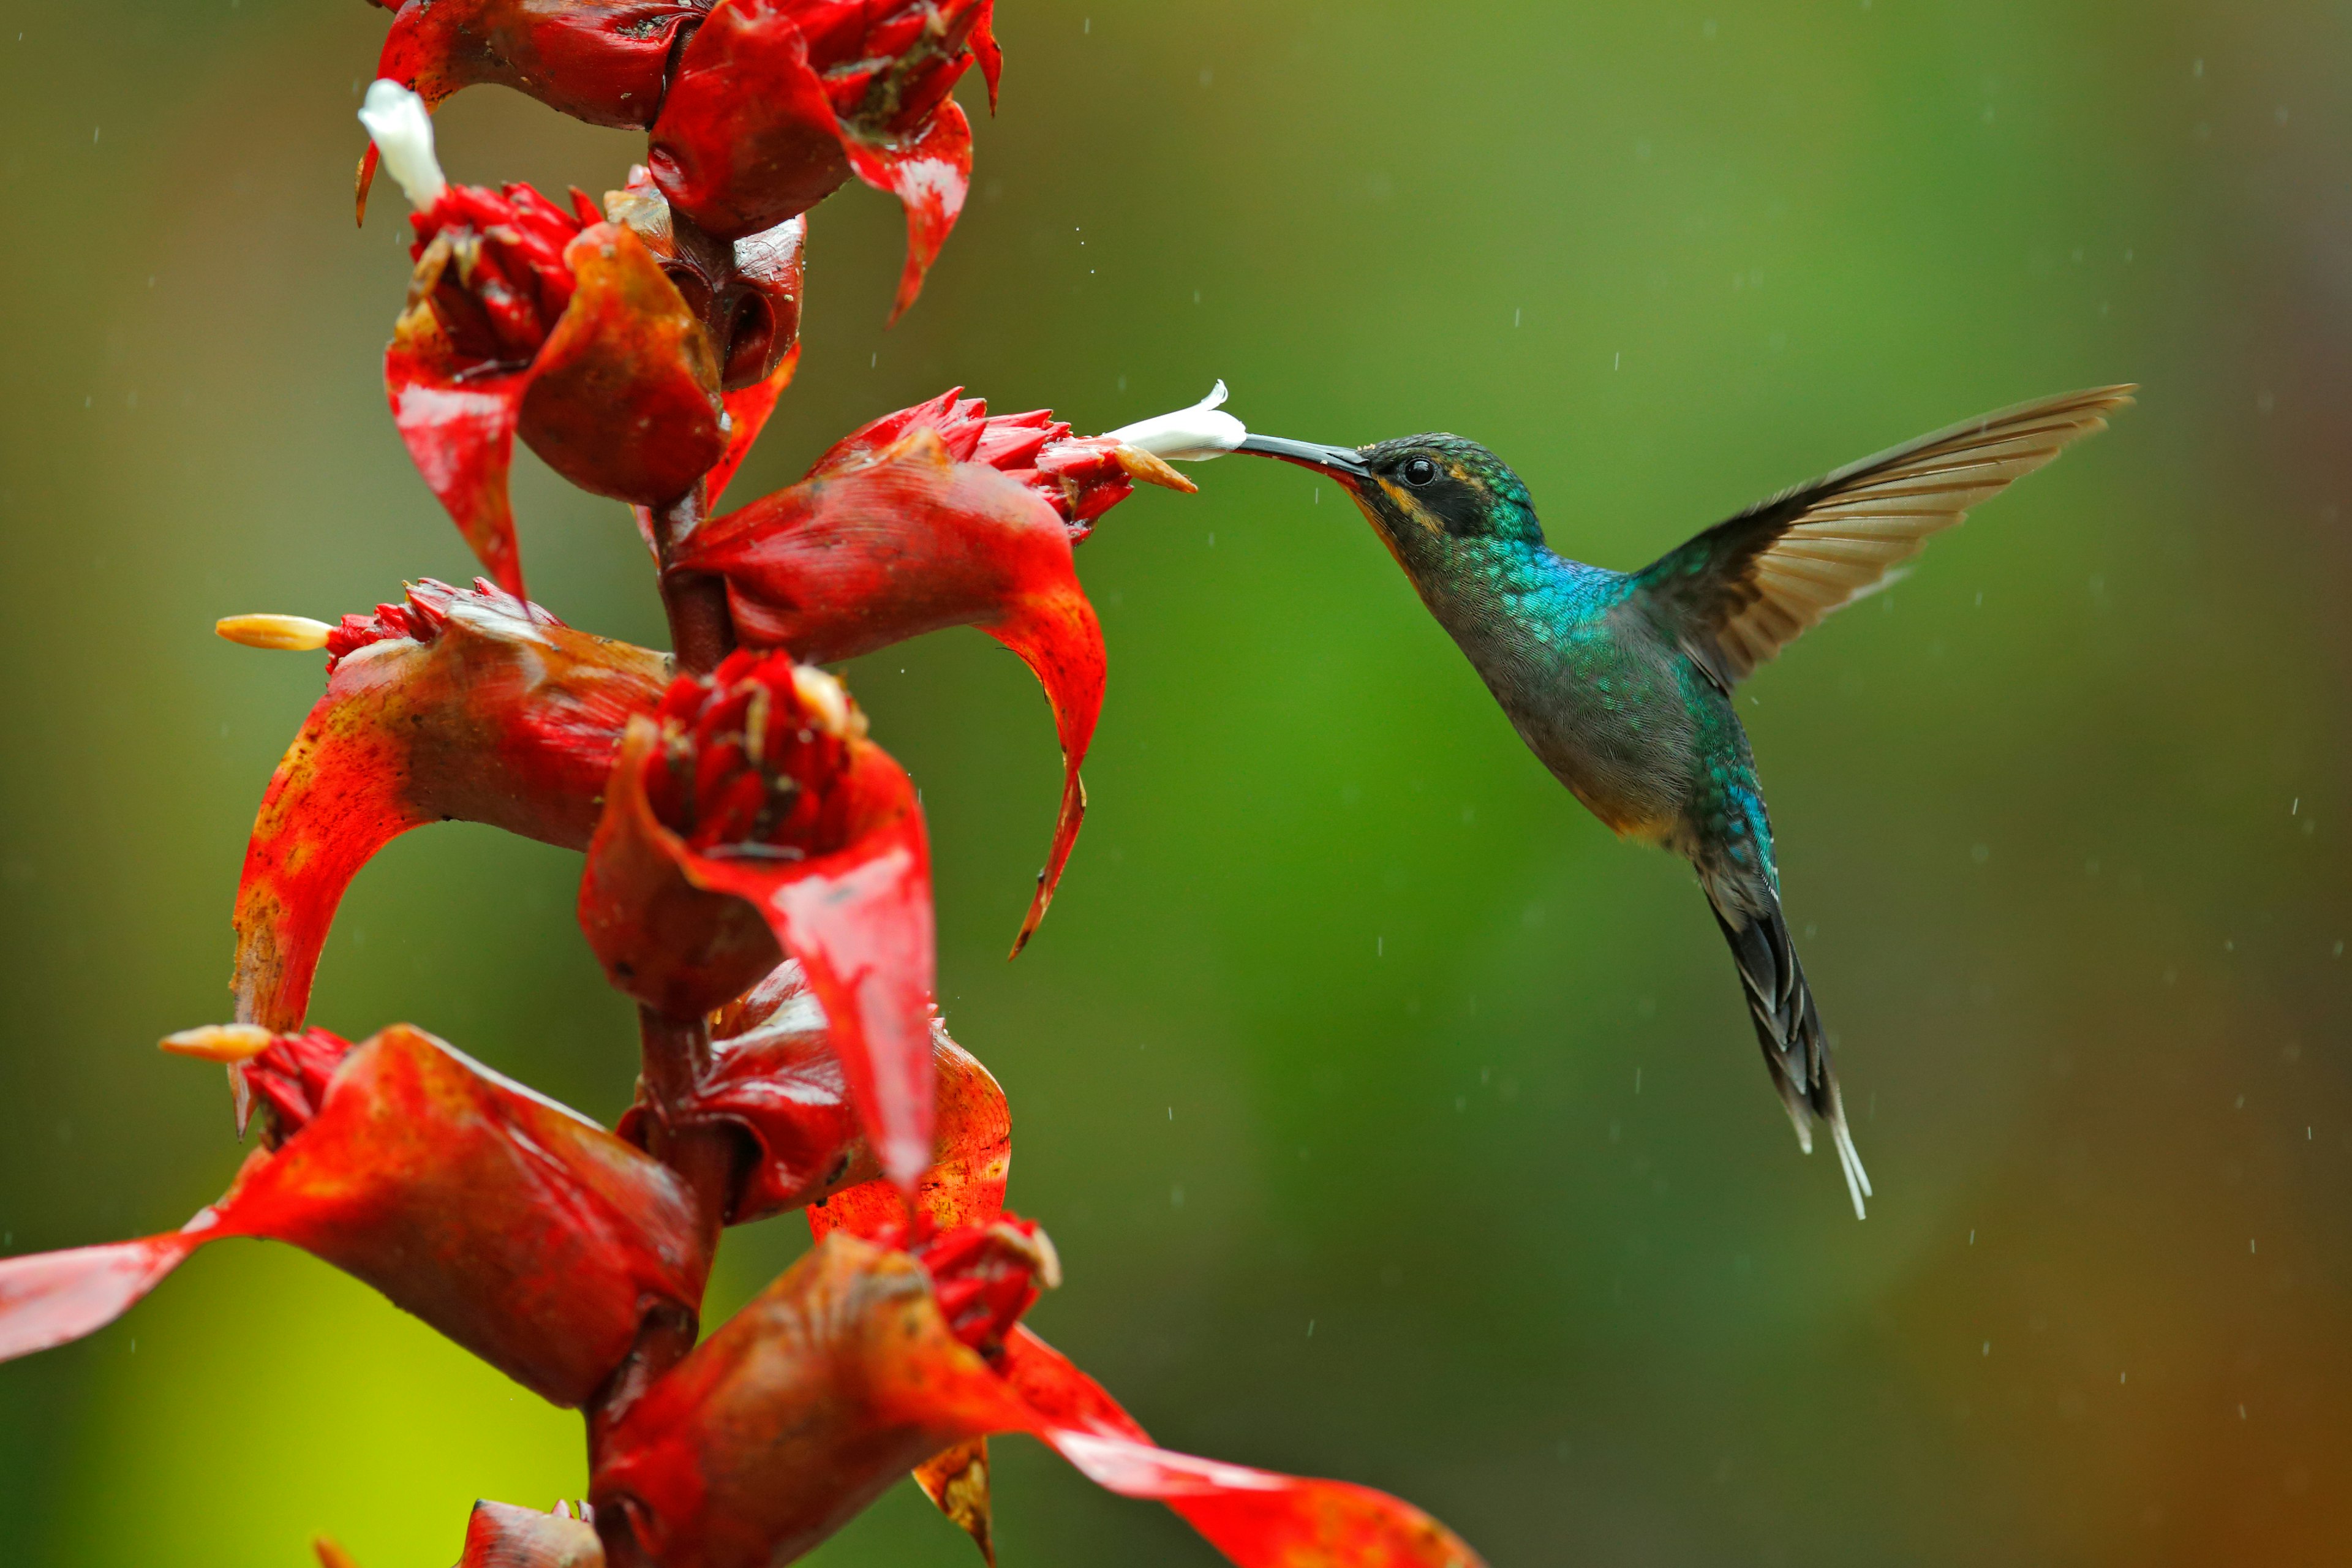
x=1395, y=1122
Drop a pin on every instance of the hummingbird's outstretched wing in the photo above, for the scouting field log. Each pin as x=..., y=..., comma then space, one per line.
x=1738, y=593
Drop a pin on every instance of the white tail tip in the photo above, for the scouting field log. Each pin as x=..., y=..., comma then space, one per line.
x=1857, y=1180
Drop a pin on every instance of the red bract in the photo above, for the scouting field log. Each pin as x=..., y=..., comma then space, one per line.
x=938, y=516
x=776, y=102
x=472, y=704
x=531, y=1237
x=746, y=291
x=524, y=319
x=604, y=61
x=853, y=1366
x=751, y=819
x=766, y=109
x=774, y=1078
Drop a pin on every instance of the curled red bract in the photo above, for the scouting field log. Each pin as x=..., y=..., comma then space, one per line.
x=456, y=703
x=581, y=344
x=754, y=819
x=938, y=516
x=604, y=61
x=796, y=1414
x=776, y=102
x=774, y=1078
x=521, y=1230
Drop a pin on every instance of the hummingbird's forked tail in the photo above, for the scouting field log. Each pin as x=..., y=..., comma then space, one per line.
x=1787, y=1025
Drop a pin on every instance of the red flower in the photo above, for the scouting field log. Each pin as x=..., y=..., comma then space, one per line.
x=751, y=819
x=472, y=705
x=604, y=344
x=524, y=1232
x=776, y=102
x=940, y=516
x=522, y=319
x=759, y=109
x=865, y=1360
x=775, y=1079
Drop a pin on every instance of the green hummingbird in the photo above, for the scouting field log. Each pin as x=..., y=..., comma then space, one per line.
x=1621, y=683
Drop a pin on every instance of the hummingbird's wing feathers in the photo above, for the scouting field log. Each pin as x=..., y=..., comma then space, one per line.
x=1741, y=591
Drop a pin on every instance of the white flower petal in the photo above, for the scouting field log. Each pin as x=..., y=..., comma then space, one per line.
x=402, y=130
x=1191, y=435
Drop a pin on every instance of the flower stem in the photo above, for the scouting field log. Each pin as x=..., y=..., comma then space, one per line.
x=701, y=630
x=676, y=1051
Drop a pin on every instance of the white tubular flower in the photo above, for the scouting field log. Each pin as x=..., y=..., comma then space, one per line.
x=402, y=128
x=1191, y=435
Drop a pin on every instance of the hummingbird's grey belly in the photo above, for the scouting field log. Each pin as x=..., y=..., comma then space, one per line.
x=1614, y=730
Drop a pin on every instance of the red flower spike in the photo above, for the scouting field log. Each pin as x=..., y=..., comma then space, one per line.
x=754, y=817
x=799, y=1411
x=527, y=1233
x=520, y=320
x=937, y=516
x=773, y=1075
x=472, y=705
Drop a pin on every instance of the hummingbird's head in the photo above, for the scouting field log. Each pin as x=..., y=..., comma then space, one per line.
x=1426, y=494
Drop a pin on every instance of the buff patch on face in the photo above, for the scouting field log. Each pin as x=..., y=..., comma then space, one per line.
x=1402, y=499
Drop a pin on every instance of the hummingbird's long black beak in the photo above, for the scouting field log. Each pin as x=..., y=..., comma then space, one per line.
x=1344, y=462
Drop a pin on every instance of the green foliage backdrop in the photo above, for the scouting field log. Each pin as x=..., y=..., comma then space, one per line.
x=1394, y=1122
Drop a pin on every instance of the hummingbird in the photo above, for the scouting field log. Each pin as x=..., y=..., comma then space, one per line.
x=1621, y=683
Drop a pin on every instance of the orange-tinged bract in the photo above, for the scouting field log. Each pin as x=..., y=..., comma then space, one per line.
x=518, y=1228
x=456, y=703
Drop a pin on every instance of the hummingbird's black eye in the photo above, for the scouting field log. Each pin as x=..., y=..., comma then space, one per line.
x=1420, y=471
